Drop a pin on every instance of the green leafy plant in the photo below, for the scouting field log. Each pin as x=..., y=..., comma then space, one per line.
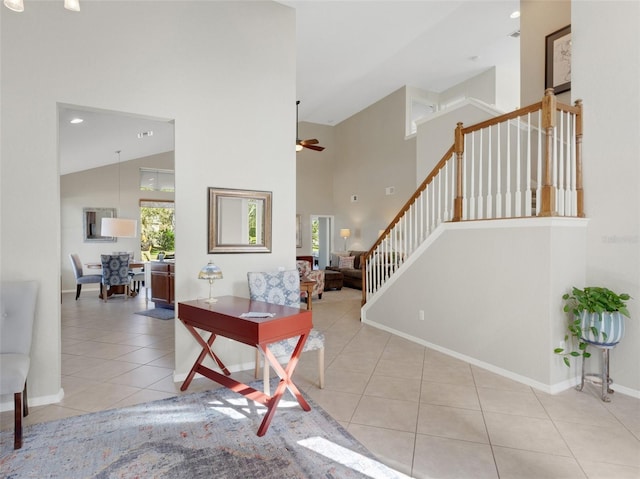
x=592, y=299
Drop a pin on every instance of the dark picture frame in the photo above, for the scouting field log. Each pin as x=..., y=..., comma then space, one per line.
x=557, y=72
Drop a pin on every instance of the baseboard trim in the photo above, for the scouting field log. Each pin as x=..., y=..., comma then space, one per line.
x=35, y=401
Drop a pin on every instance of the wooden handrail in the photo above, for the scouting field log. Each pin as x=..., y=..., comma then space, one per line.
x=548, y=184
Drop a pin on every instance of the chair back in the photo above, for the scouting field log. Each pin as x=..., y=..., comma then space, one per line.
x=277, y=287
x=76, y=265
x=304, y=267
x=115, y=269
x=17, y=313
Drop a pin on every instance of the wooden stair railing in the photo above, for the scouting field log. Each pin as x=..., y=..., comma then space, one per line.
x=524, y=163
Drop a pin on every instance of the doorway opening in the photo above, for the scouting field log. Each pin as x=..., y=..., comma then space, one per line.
x=321, y=240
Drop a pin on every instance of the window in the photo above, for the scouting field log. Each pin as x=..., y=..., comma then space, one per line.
x=157, y=180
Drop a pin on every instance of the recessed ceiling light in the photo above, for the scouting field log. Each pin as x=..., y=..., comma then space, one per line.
x=515, y=14
x=75, y=121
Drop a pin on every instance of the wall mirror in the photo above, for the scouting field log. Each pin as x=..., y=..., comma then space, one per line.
x=239, y=221
x=92, y=221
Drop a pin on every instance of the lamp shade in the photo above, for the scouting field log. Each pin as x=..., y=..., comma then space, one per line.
x=73, y=5
x=345, y=233
x=119, y=227
x=15, y=5
x=210, y=271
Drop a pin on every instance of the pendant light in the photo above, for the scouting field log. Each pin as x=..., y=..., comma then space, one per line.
x=15, y=5
x=18, y=5
x=119, y=227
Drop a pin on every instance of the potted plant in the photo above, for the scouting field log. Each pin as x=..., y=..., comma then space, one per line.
x=597, y=319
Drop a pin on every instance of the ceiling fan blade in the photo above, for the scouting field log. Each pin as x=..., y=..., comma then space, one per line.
x=313, y=147
x=310, y=142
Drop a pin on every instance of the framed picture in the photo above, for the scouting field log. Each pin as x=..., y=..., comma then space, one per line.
x=298, y=231
x=558, y=60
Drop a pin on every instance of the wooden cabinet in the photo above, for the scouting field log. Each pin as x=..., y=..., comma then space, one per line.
x=162, y=283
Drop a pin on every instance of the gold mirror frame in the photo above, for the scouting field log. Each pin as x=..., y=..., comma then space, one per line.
x=231, y=213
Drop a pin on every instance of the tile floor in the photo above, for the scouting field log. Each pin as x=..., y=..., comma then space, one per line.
x=421, y=412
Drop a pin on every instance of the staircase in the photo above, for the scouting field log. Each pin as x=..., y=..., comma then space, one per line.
x=527, y=163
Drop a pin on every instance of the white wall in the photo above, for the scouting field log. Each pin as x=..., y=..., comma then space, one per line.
x=488, y=292
x=436, y=134
x=223, y=70
x=94, y=188
x=609, y=85
x=481, y=87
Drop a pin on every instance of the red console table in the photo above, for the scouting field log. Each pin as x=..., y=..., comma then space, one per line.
x=227, y=318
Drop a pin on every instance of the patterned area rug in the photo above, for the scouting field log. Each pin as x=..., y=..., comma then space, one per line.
x=208, y=434
x=158, y=313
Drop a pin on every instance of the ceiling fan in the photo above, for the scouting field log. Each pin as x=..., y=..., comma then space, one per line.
x=311, y=144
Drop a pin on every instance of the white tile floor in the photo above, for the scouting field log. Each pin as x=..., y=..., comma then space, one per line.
x=421, y=412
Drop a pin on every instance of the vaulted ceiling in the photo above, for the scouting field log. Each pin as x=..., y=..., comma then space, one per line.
x=350, y=54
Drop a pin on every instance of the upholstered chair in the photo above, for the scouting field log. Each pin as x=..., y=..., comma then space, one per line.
x=283, y=287
x=306, y=271
x=115, y=272
x=17, y=313
x=81, y=278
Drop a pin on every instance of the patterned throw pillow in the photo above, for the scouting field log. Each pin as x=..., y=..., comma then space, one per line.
x=346, y=262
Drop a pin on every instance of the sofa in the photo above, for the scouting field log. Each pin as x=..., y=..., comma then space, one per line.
x=348, y=263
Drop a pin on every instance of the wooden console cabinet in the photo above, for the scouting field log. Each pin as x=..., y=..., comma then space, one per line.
x=162, y=283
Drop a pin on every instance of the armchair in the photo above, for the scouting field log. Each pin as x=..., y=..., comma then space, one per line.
x=283, y=287
x=306, y=271
x=17, y=313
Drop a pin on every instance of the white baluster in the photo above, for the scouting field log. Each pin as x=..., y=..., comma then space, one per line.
x=489, y=213
x=527, y=194
x=480, y=205
x=518, y=198
x=499, y=177
x=507, y=198
x=539, y=166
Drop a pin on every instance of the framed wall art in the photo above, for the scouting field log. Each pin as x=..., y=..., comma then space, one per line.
x=558, y=60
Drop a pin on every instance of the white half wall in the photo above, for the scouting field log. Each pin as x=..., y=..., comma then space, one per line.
x=491, y=293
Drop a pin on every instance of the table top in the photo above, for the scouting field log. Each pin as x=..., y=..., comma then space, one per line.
x=224, y=317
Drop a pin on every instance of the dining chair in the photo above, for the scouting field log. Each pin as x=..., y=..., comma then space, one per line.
x=115, y=272
x=17, y=313
x=81, y=278
x=283, y=288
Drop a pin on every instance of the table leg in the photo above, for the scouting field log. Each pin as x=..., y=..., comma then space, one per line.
x=285, y=382
x=206, y=350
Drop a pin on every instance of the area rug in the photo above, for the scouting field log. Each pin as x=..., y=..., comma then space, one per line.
x=158, y=313
x=209, y=434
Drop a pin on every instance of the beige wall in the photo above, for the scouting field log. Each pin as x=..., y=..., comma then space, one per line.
x=94, y=188
x=537, y=20
x=224, y=71
x=372, y=154
x=314, y=179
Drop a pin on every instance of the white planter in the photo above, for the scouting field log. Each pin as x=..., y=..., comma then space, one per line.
x=609, y=327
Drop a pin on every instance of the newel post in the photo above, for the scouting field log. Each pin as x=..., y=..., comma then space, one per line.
x=548, y=124
x=459, y=152
x=579, y=190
